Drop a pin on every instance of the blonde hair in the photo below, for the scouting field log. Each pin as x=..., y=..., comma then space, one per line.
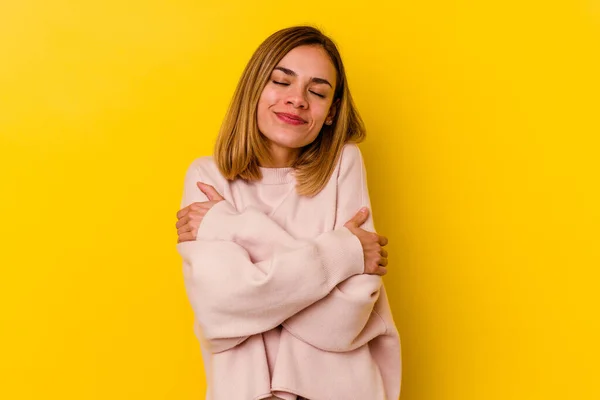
x=240, y=147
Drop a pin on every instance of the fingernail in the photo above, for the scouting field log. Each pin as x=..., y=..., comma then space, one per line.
x=363, y=210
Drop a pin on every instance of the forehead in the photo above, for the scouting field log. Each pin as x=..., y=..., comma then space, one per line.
x=309, y=61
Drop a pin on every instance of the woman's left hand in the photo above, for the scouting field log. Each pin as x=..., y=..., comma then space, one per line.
x=190, y=217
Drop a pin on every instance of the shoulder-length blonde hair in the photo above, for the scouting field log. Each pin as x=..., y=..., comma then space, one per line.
x=241, y=148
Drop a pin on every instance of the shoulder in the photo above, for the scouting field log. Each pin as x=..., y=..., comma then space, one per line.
x=205, y=169
x=351, y=160
x=205, y=163
x=202, y=169
x=350, y=154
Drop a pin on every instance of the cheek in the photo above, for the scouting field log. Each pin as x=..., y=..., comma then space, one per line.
x=268, y=97
x=320, y=113
x=262, y=112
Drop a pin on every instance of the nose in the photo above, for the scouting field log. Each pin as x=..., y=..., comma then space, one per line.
x=296, y=97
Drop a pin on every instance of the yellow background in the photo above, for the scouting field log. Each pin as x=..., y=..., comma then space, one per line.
x=483, y=122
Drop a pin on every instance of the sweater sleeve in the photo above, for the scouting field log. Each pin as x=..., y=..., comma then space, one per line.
x=234, y=296
x=354, y=312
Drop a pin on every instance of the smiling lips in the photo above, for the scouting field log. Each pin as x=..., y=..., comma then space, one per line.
x=290, y=119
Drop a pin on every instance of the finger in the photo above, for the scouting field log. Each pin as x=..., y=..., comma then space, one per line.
x=382, y=271
x=383, y=253
x=209, y=191
x=189, y=208
x=383, y=240
x=359, y=218
x=383, y=262
x=185, y=228
x=196, y=210
x=186, y=237
x=184, y=220
x=183, y=211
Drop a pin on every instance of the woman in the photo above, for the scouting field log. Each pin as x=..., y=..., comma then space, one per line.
x=281, y=262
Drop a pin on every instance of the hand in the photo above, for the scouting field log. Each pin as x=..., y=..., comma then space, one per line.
x=190, y=217
x=372, y=243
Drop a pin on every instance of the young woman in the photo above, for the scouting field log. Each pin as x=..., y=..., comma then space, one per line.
x=282, y=264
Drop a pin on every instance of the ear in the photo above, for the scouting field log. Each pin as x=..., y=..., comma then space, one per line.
x=332, y=111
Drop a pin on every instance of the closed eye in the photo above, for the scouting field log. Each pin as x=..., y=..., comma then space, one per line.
x=287, y=84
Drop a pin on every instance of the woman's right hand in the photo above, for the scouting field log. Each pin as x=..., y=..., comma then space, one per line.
x=372, y=243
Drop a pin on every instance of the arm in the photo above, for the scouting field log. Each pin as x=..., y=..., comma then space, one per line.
x=345, y=319
x=233, y=296
x=351, y=315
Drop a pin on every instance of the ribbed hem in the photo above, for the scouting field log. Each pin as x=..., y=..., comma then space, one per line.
x=275, y=176
x=342, y=255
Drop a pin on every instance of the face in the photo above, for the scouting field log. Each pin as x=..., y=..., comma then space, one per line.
x=297, y=100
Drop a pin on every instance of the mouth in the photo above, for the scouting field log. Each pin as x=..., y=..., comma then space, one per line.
x=291, y=119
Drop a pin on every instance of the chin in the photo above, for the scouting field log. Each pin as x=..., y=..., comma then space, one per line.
x=289, y=145
x=290, y=142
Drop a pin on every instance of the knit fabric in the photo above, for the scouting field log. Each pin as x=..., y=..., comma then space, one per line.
x=282, y=308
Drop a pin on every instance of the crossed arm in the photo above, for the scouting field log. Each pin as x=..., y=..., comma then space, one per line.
x=314, y=288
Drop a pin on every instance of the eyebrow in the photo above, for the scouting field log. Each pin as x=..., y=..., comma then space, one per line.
x=289, y=72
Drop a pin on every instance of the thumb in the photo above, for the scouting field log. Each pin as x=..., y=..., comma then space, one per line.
x=209, y=191
x=359, y=218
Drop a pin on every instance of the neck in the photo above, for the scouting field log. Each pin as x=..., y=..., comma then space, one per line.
x=281, y=157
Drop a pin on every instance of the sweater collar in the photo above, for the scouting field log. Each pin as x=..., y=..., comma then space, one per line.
x=274, y=176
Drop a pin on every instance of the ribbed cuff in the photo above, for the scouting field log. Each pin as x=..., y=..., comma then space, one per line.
x=342, y=255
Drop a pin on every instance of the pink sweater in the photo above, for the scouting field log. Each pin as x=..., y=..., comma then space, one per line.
x=281, y=304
